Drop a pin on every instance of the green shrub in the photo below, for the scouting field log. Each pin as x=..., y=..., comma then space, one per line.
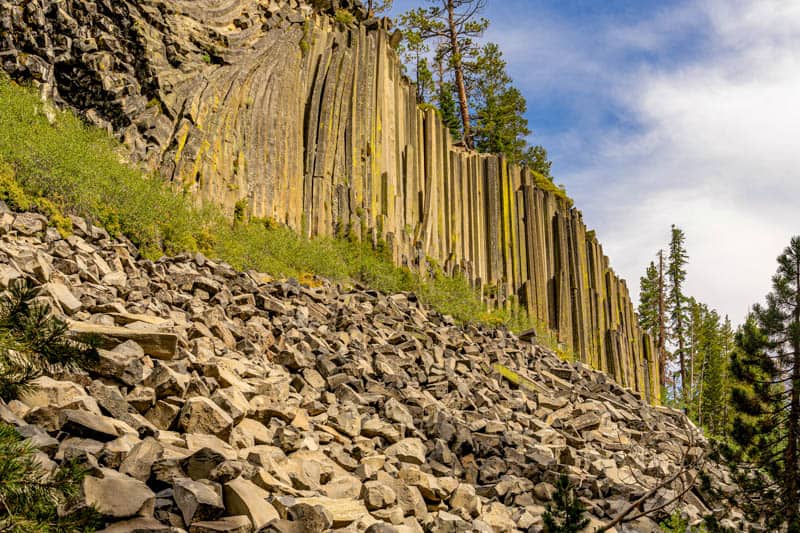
x=343, y=16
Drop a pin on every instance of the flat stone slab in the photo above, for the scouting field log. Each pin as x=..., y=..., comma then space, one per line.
x=159, y=344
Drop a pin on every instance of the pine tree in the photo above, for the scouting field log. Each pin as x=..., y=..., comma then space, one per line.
x=676, y=302
x=30, y=497
x=767, y=396
x=33, y=342
x=413, y=52
x=499, y=126
x=565, y=515
x=661, y=338
x=453, y=24
x=535, y=158
x=448, y=109
x=648, y=300
x=652, y=312
x=715, y=385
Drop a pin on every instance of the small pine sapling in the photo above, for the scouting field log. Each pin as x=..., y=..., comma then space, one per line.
x=565, y=514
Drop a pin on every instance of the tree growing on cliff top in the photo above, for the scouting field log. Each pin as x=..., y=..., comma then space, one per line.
x=767, y=367
x=535, y=158
x=454, y=25
x=499, y=124
x=375, y=7
x=414, y=52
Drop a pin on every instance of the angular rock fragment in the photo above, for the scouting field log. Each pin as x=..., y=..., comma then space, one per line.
x=198, y=500
x=118, y=496
x=245, y=498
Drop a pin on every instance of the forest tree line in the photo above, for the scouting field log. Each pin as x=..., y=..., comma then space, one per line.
x=741, y=385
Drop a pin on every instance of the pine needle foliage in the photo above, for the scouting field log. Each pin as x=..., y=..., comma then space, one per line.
x=565, y=514
x=767, y=396
x=35, y=501
x=33, y=342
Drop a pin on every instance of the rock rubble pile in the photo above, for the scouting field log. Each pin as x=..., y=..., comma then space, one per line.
x=230, y=402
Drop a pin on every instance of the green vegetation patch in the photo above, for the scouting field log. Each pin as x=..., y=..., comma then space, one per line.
x=59, y=165
x=343, y=16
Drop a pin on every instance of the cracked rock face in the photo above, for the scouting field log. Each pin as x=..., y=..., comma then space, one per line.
x=311, y=123
x=311, y=409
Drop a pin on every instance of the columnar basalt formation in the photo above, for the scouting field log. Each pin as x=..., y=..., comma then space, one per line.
x=311, y=122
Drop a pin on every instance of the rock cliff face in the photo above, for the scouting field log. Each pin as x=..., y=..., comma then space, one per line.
x=311, y=122
x=224, y=401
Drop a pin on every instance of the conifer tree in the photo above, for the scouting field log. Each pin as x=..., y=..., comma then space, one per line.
x=565, y=515
x=767, y=397
x=413, y=51
x=454, y=25
x=661, y=338
x=648, y=300
x=448, y=109
x=30, y=497
x=715, y=385
x=676, y=302
x=499, y=124
x=652, y=312
x=32, y=341
x=535, y=158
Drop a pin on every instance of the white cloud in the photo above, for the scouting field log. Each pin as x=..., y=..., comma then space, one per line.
x=718, y=153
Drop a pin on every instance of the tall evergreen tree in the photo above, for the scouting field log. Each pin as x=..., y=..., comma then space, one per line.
x=715, y=386
x=413, y=51
x=499, y=124
x=652, y=312
x=454, y=25
x=676, y=301
x=661, y=338
x=648, y=300
x=767, y=399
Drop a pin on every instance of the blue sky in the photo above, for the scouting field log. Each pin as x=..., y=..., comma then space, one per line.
x=662, y=112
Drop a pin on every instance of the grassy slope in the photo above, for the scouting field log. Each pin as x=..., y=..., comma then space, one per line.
x=59, y=165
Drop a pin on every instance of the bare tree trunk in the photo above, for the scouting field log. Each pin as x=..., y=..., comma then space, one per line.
x=458, y=68
x=700, y=393
x=662, y=330
x=681, y=348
